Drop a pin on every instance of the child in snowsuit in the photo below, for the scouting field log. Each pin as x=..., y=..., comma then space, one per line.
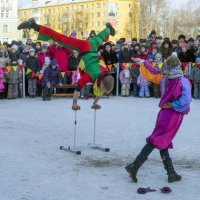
x=195, y=77
x=13, y=74
x=144, y=86
x=125, y=79
x=174, y=104
x=32, y=66
x=93, y=68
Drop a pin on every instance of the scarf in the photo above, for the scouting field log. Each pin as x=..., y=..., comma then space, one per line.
x=175, y=72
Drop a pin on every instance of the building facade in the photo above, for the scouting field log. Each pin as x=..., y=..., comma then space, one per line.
x=8, y=20
x=84, y=16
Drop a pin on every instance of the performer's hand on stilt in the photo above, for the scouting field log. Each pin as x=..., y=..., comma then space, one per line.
x=96, y=106
x=76, y=107
x=167, y=105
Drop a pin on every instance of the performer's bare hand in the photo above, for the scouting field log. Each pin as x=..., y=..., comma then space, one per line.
x=167, y=105
x=76, y=107
x=96, y=106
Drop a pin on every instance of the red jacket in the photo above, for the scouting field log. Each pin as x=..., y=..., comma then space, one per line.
x=41, y=57
x=61, y=55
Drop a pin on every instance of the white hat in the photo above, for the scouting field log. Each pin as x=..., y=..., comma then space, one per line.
x=32, y=50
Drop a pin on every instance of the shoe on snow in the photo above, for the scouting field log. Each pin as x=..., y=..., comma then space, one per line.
x=173, y=177
x=132, y=175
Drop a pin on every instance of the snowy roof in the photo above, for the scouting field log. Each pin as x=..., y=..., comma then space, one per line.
x=52, y=3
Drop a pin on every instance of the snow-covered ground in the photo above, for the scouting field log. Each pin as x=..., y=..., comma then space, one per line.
x=33, y=168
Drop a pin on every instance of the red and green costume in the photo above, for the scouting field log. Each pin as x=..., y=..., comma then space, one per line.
x=91, y=65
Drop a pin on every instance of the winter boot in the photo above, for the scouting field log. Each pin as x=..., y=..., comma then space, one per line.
x=112, y=30
x=172, y=175
x=29, y=25
x=133, y=168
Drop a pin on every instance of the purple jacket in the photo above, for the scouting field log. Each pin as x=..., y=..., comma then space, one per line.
x=142, y=81
x=124, y=79
x=52, y=76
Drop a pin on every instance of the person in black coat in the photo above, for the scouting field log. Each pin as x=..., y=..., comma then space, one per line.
x=73, y=61
x=109, y=55
x=32, y=66
x=125, y=54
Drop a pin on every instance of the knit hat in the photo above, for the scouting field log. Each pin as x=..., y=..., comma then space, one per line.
x=153, y=32
x=197, y=60
x=181, y=37
x=137, y=44
x=190, y=40
x=14, y=47
x=175, y=54
x=73, y=33
x=107, y=43
x=158, y=55
x=32, y=50
x=53, y=62
x=151, y=57
x=153, y=42
x=158, y=41
x=173, y=61
x=174, y=41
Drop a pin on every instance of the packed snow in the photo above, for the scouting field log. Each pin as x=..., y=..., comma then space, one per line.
x=32, y=167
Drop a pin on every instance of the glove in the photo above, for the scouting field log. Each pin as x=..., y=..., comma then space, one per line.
x=96, y=106
x=48, y=84
x=76, y=107
x=112, y=30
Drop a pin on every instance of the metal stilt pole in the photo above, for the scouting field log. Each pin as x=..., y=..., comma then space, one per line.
x=73, y=149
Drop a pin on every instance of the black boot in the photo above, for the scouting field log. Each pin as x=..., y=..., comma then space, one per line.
x=29, y=25
x=133, y=168
x=112, y=30
x=172, y=175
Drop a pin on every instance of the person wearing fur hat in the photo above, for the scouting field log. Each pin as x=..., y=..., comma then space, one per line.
x=135, y=51
x=13, y=53
x=166, y=49
x=133, y=42
x=184, y=57
x=13, y=74
x=195, y=77
x=191, y=50
x=91, y=66
x=174, y=105
x=174, y=45
x=125, y=54
x=32, y=68
x=51, y=78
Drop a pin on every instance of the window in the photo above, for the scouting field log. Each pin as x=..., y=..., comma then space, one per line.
x=5, y=28
x=98, y=23
x=92, y=15
x=98, y=14
x=82, y=7
x=2, y=1
x=92, y=23
x=104, y=5
x=2, y=14
x=98, y=5
x=92, y=6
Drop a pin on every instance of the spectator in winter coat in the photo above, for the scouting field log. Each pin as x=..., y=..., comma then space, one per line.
x=1, y=81
x=159, y=44
x=125, y=54
x=73, y=61
x=4, y=57
x=109, y=55
x=166, y=49
x=191, y=50
x=135, y=72
x=133, y=42
x=125, y=80
x=197, y=54
x=32, y=65
x=37, y=47
x=144, y=86
x=196, y=44
x=13, y=75
x=143, y=54
x=43, y=54
x=24, y=53
x=30, y=43
x=61, y=54
x=195, y=77
x=13, y=53
x=51, y=78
